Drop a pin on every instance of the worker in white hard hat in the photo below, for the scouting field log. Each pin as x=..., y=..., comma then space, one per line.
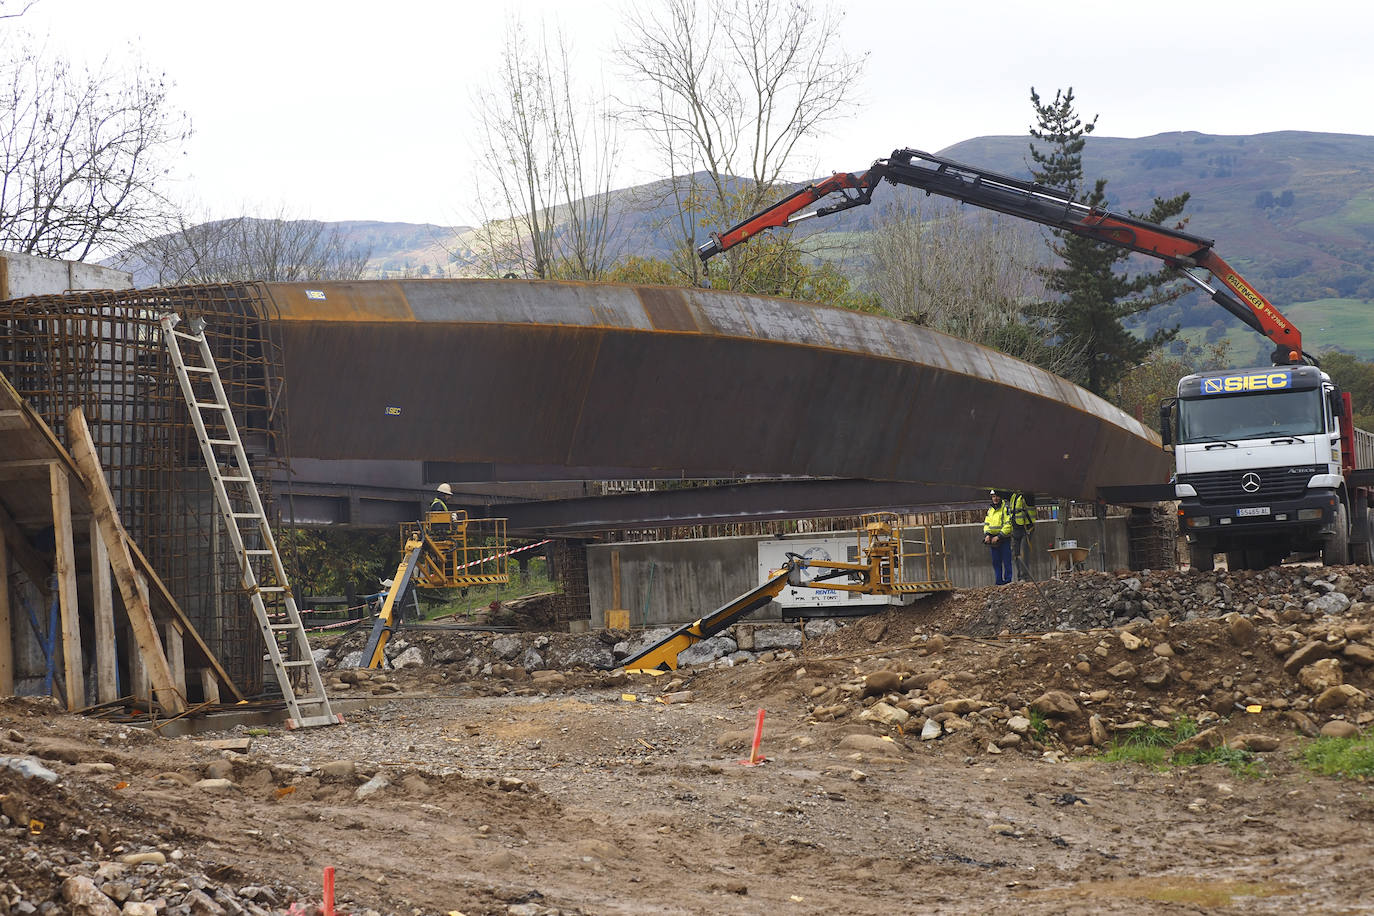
x=437, y=504
x=997, y=535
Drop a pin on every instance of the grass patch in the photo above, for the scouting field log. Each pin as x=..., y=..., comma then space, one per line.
x=1348, y=758
x=1334, y=322
x=441, y=602
x=1153, y=746
x=1341, y=323
x=1039, y=726
x=1242, y=763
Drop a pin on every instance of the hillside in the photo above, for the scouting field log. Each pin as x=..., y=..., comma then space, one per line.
x=1294, y=211
x=1282, y=206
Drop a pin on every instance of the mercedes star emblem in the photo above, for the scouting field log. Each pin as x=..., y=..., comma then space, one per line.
x=1250, y=482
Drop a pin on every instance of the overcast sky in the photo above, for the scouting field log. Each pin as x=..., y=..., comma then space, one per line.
x=351, y=110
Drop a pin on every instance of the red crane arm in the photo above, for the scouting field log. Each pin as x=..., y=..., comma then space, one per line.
x=784, y=212
x=1048, y=206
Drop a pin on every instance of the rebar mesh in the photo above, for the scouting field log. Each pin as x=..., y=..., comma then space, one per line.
x=570, y=568
x=102, y=352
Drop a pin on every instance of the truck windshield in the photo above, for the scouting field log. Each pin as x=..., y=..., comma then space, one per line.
x=1250, y=416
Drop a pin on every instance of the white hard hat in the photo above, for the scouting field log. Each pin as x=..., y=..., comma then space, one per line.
x=445, y=489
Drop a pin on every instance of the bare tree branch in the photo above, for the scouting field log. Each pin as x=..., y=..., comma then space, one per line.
x=82, y=153
x=548, y=158
x=729, y=94
x=965, y=274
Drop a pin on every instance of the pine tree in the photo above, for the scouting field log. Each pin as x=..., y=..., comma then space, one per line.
x=1095, y=295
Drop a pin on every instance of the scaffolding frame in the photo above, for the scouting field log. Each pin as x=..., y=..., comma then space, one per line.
x=101, y=352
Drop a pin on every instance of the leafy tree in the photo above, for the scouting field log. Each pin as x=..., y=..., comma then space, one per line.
x=1357, y=377
x=1063, y=131
x=778, y=268
x=1094, y=297
x=1143, y=386
x=339, y=561
x=643, y=271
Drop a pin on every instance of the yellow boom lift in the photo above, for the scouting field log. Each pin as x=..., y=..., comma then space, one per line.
x=880, y=573
x=445, y=549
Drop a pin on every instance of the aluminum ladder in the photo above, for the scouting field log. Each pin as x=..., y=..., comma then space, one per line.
x=240, y=504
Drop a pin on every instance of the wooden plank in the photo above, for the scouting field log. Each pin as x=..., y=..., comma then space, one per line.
x=138, y=674
x=237, y=745
x=102, y=598
x=66, y=587
x=13, y=419
x=188, y=628
x=176, y=654
x=117, y=542
x=209, y=685
x=6, y=631
x=26, y=469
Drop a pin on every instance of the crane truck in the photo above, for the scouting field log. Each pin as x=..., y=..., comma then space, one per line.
x=1268, y=462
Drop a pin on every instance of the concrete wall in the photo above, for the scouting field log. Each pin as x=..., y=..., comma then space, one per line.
x=970, y=562
x=26, y=275
x=685, y=580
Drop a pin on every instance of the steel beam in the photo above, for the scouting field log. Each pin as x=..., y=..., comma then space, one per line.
x=748, y=502
x=658, y=381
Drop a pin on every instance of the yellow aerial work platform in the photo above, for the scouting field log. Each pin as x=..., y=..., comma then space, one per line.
x=445, y=549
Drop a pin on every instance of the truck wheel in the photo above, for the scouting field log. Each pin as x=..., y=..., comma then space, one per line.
x=1200, y=557
x=1336, y=547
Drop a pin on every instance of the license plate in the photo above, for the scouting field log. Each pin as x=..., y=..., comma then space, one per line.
x=1253, y=510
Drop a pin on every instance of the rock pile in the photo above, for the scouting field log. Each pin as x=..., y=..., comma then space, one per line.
x=1095, y=599
x=1281, y=651
x=61, y=831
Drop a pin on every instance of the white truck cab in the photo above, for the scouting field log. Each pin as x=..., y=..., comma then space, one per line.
x=1258, y=465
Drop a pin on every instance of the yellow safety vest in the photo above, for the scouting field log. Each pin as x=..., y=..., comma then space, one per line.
x=998, y=521
x=1021, y=513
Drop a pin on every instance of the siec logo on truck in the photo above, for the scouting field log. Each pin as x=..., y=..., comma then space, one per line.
x=1256, y=381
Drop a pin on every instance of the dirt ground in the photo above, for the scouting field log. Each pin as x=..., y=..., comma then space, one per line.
x=594, y=792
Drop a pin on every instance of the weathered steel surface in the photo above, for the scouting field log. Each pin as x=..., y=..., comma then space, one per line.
x=680, y=382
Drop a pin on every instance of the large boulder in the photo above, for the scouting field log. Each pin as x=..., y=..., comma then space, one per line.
x=774, y=638
x=706, y=651
x=1055, y=704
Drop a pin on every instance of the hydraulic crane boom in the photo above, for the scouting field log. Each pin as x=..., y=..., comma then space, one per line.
x=1048, y=206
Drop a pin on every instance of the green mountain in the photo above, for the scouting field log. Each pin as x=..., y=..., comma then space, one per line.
x=1292, y=211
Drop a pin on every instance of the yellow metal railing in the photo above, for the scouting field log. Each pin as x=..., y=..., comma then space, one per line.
x=459, y=551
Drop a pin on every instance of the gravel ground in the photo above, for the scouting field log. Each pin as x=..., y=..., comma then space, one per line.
x=945, y=758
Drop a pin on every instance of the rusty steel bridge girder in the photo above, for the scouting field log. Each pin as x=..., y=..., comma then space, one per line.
x=680, y=382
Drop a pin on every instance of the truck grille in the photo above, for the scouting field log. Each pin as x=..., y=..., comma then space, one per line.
x=1230, y=486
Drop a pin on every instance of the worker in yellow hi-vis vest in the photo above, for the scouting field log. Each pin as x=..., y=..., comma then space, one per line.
x=1022, y=508
x=997, y=535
